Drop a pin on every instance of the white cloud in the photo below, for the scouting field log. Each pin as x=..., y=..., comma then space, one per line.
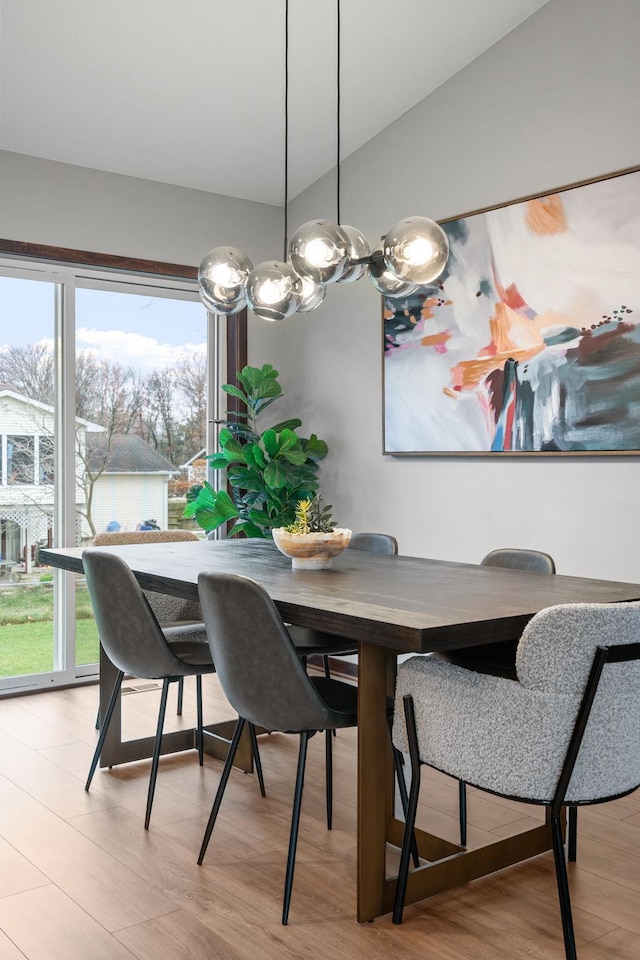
x=133, y=349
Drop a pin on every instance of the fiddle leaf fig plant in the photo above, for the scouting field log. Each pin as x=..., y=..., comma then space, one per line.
x=269, y=471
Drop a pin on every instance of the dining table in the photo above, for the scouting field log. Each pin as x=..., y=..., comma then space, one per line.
x=391, y=606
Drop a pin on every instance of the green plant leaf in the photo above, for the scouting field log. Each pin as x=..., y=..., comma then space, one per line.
x=296, y=456
x=217, y=461
x=249, y=529
x=234, y=392
x=288, y=440
x=287, y=425
x=259, y=517
x=315, y=448
x=232, y=450
x=275, y=475
x=270, y=440
x=258, y=456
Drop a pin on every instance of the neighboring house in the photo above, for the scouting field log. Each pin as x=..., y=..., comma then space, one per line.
x=133, y=484
x=196, y=467
x=26, y=473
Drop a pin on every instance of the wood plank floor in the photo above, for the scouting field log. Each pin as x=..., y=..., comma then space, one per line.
x=81, y=880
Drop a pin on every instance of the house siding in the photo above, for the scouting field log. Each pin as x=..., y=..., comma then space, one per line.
x=129, y=499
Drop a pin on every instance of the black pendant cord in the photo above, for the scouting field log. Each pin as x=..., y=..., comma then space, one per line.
x=338, y=116
x=286, y=127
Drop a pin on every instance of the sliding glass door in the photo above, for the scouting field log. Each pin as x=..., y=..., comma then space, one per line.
x=28, y=432
x=104, y=393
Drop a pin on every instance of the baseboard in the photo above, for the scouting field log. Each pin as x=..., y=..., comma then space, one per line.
x=337, y=666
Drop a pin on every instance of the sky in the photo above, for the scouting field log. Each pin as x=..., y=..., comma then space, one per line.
x=147, y=333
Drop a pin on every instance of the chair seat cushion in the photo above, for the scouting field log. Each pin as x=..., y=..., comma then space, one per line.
x=309, y=642
x=341, y=699
x=188, y=641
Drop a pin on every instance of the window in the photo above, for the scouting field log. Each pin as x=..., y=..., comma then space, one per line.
x=133, y=366
x=45, y=459
x=20, y=460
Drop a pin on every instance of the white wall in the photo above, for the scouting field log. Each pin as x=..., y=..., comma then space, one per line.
x=62, y=205
x=554, y=102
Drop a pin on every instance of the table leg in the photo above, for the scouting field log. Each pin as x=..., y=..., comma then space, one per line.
x=376, y=672
x=116, y=750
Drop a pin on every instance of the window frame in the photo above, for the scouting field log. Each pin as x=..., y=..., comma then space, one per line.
x=69, y=270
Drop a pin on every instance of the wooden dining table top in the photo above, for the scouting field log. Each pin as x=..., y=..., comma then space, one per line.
x=407, y=604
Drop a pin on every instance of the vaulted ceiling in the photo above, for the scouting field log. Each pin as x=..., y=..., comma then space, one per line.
x=192, y=92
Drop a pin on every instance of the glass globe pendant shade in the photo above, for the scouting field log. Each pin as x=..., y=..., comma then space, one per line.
x=416, y=249
x=273, y=290
x=221, y=277
x=319, y=249
x=312, y=295
x=386, y=282
x=358, y=250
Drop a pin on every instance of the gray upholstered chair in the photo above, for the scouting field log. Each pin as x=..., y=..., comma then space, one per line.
x=265, y=681
x=499, y=659
x=557, y=736
x=135, y=643
x=311, y=642
x=168, y=610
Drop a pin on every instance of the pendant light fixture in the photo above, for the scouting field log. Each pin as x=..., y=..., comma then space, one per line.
x=412, y=254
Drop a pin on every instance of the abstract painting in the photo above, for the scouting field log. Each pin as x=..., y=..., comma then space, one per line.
x=530, y=340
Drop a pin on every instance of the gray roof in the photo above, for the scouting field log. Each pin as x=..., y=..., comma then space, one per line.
x=128, y=453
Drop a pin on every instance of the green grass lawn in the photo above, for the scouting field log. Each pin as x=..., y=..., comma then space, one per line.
x=26, y=630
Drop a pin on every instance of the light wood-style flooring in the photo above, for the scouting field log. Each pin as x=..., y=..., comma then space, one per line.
x=81, y=880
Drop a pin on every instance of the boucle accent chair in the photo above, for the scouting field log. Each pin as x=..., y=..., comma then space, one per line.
x=559, y=735
x=499, y=659
x=169, y=611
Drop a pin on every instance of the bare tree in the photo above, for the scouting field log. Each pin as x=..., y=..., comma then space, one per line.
x=30, y=370
x=111, y=395
x=160, y=426
x=191, y=380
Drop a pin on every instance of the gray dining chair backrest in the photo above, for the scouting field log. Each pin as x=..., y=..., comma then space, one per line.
x=259, y=669
x=513, y=558
x=127, y=627
x=374, y=543
x=167, y=609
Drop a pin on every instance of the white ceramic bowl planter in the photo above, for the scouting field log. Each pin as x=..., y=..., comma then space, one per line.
x=311, y=551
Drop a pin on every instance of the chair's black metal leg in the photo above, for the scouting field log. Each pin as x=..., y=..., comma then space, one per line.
x=572, y=835
x=256, y=758
x=295, y=823
x=403, y=870
x=200, y=734
x=106, y=720
x=98, y=719
x=156, y=751
x=563, y=886
x=462, y=811
x=328, y=748
x=180, y=696
x=221, y=786
x=398, y=761
x=327, y=671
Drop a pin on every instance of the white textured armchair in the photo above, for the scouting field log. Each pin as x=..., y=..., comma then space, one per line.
x=558, y=735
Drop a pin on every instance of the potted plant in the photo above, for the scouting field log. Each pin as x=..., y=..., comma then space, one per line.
x=312, y=540
x=269, y=471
